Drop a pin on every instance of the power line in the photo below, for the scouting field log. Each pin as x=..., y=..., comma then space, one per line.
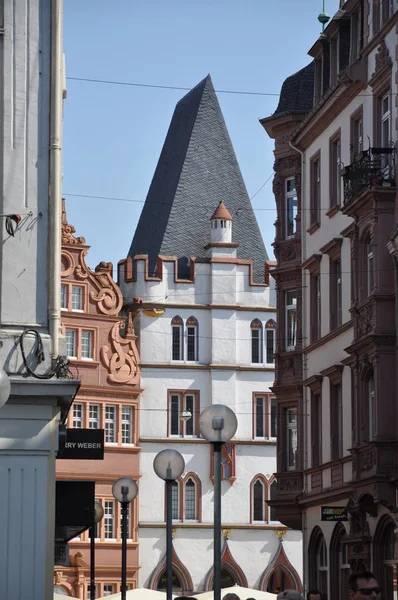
x=165, y=87
x=187, y=89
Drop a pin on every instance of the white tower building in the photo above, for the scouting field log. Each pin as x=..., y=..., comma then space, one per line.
x=206, y=330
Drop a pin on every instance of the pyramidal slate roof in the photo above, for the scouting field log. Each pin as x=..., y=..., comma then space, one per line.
x=197, y=168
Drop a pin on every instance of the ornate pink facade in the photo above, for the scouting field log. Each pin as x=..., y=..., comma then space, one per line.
x=102, y=350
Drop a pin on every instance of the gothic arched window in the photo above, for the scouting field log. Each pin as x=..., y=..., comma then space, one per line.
x=257, y=341
x=270, y=333
x=177, y=349
x=192, y=339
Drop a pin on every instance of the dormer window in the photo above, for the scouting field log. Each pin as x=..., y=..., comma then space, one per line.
x=356, y=36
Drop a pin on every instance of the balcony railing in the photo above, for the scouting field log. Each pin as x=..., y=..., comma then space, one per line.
x=375, y=167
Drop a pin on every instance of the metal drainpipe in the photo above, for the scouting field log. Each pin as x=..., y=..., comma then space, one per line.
x=54, y=200
x=303, y=328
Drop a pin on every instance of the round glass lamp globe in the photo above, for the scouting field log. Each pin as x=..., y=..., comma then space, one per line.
x=98, y=511
x=218, y=423
x=124, y=484
x=169, y=464
x=5, y=387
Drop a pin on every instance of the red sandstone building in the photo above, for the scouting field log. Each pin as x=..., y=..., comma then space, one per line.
x=101, y=347
x=335, y=132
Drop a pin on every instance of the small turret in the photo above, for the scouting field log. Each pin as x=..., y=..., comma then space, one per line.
x=221, y=225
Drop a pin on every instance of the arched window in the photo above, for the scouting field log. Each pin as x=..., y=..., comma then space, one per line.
x=192, y=339
x=272, y=496
x=257, y=341
x=162, y=583
x=277, y=582
x=177, y=350
x=339, y=566
x=190, y=504
x=270, y=331
x=258, y=501
x=385, y=557
x=318, y=562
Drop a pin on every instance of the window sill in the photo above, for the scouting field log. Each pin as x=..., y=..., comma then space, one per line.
x=333, y=210
x=312, y=228
x=77, y=310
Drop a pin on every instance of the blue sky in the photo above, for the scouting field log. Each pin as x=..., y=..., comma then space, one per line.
x=113, y=134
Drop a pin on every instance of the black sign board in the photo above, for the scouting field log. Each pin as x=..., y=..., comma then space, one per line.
x=334, y=513
x=82, y=444
x=74, y=508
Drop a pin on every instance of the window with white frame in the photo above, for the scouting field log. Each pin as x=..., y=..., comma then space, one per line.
x=290, y=206
x=180, y=402
x=77, y=298
x=177, y=349
x=127, y=425
x=64, y=297
x=357, y=135
x=291, y=319
x=78, y=415
x=86, y=344
x=385, y=137
x=192, y=339
x=110, y=424
x=71, y=350
x=264, y=416
x=270, y=331
x=257, y=341
x=291, y=438
x=109, y=589
x=94, y=416
x=109, y=520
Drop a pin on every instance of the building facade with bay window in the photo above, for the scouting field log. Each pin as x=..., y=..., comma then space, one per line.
x=101, y=348
x=197, y=282
x=335, y=132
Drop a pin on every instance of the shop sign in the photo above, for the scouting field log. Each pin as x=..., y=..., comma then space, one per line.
x=82, y=444
x=334, y=513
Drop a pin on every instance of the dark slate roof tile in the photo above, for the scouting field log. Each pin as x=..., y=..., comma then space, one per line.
x=197, y=168
x=297, y=93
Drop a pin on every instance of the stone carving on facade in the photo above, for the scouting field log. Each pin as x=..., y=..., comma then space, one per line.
x=121, y=357
x=364, y=319
x=287, y=163
x=382, y=57
x=368, y=460
x=288, y=252
x=67, y=230
x=67, y=263
x=289, y=484
x=109, y=299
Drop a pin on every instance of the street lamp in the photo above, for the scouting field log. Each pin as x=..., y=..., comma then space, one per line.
x=5, y=387
x=124, y=490
x=98, y=514
x=218, y=425
x=169, y=465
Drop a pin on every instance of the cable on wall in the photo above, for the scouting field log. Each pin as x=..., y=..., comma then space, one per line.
x=61, y=365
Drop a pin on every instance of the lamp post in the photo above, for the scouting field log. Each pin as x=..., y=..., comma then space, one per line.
x=5, y=387
x=98, y=514
x=124, y=490
x=218, y=425
x=169, y=465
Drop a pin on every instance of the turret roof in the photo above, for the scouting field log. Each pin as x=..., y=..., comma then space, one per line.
x=221, y=212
